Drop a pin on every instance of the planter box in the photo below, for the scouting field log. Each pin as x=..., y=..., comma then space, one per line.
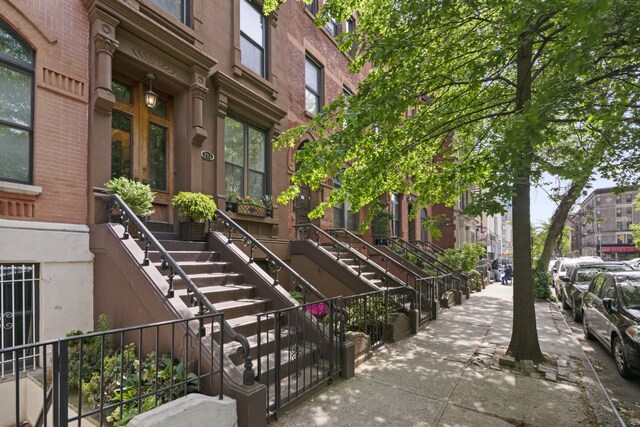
x=249, y=209
x=192, y=231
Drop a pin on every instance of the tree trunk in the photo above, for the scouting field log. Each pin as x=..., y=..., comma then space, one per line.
x=524, y=343
x=559, y=219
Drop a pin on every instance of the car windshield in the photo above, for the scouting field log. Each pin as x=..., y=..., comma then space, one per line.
x=588, y=273
x=630, y=290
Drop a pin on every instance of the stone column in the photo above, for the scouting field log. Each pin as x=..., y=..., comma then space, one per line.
x=198, y=92
x=103, y=29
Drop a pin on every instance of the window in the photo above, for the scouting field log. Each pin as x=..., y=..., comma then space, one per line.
x=598, y=200
x=628, y=211
x=620, y=239
x=424, y=231
x=350, y=27
x=395, y=215
x=18, y=310
x=179, y=9
x=618, y=212
x=628, y=225
x=253, y=38
x=17, y=61
x=598, y=214
x=628, y=197
x=245, y=153
x=333, y=27
x=342, y=215
x=618, y=199
x=313, y=86
x=596, y=285
x=608, y=290
x=599, y=227
x=630, y=239
x=140, y=137
x=619, y=226
x=312, y=7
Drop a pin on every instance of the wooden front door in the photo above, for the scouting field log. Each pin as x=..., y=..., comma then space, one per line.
x=141, y=143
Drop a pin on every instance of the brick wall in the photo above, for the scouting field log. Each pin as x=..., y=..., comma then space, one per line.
x=59, y=31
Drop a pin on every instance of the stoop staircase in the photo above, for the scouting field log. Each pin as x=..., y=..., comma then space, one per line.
x=282, y=357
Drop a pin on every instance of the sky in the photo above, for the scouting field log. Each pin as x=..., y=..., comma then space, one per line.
x=542, y=207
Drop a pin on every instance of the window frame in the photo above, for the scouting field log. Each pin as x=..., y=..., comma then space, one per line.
x=14, y=64
x=186, y=11
x=312, y=7
x=343, y=210
x=246, y=169
x=319, y=94
x=265, y=40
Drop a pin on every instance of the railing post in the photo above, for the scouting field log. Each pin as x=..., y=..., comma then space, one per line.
x=64, y=382
x=55, y=383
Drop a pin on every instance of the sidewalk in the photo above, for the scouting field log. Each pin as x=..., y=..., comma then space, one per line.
x=448, y=375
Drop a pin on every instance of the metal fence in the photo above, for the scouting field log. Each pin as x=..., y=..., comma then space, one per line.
x=308, y=340
x=110, y=376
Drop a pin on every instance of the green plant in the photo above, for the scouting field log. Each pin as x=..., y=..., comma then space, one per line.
x=297, y=295
x=197, y=206
x=464, y=258
x=542, y=290
x=126, y=377
x=136, y=195
x=90, y=353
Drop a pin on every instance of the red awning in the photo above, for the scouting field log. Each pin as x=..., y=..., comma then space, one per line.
x=619, y=249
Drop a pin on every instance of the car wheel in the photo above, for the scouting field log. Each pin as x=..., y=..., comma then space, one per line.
x=565, y=305
x=619, y=357
x=577, y=315
x=585, y=328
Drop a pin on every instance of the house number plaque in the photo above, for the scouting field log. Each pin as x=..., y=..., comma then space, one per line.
x=207, y=155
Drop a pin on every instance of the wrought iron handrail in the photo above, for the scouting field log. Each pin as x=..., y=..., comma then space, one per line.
x=412, y=248
x=385, y=257
x=248, y=377
x=432, y=246
x=360, y=258
x=271, y=258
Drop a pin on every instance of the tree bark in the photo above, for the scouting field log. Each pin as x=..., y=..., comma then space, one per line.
x=559, y=218
x=524, y=343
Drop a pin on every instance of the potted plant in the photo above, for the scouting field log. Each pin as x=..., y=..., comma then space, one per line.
x=136, y=195
x=197, y=208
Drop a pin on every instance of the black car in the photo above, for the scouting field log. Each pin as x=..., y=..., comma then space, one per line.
x=612, y=314
x=576, y=282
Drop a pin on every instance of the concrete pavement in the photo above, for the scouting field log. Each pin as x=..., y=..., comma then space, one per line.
x=448, y=375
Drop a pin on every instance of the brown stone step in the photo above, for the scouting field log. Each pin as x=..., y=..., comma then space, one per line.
x=218, y=294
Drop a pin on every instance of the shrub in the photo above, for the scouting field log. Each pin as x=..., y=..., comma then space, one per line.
x=90, y=353
x=136, y=195
x=542, y=289
x=197, y=206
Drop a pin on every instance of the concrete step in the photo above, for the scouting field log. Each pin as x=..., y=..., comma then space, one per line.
x=164, y=235
x=218, y=294
x=267, y=345
x=195, y=267
x=244, y=325
x=201, y=256
x=238, y=308
x=294, y=359
x=180, y=245
x=209, y=279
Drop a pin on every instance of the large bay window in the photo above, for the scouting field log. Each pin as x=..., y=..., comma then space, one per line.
x=17, y=59
x=245, y=153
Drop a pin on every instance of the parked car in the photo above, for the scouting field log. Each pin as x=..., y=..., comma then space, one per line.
x=576, y=282
x=634, y=263
x=560, y=269
x=612, y=315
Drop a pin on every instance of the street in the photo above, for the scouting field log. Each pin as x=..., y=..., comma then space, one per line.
x=624, y=393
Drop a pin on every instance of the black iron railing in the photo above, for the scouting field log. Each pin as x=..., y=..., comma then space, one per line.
x=370, y=312
x=308, y=340
x=428, y=247
x=168, y=263
x=111, y=376
x=344, y=251
x=406, y=247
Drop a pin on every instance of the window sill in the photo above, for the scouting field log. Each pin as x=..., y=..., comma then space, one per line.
x=15, y=188
x=309, y=115
x=262, y=83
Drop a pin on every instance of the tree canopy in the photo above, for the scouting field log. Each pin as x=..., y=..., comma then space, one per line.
x=502, y=92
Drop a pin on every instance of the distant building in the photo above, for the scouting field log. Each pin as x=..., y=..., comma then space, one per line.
x=602, y=225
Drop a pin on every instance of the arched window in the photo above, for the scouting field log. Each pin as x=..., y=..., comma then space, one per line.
x=17, y=59
x=424, y=232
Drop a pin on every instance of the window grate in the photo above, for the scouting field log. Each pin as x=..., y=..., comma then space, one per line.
x=18, y=310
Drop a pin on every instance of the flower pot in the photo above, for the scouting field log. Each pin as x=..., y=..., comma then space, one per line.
x=194, y=231
x=251, y=210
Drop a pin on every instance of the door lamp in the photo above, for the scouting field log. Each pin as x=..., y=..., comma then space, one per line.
x=150, y=97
